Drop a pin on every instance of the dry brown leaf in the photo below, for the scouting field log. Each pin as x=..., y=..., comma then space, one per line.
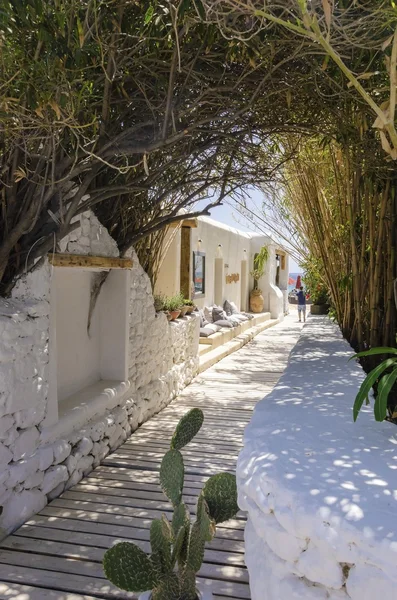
x=387, y=42
x=39, y=112
x=327, y=12
x=19, y=174
x=55, y=108
x=145, y=165
x=363, y=76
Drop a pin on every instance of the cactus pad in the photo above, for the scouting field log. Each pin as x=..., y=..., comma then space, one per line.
x=206, y=524
x=195, y=554
x=220, y=493
x=128, y=567
x=172, y=474
x=187, y=428
x=161, y=548
x=168, y=588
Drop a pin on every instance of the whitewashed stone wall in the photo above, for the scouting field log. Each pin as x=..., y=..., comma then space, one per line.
x=320, y=490
x=163, y=359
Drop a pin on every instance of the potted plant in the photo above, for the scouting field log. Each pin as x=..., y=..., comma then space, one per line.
x=174, y=305
x=257, y=301
x=320, y=302
x=169, y=573
x=189, y=304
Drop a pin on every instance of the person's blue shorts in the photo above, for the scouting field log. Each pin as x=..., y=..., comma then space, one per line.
x=302, y=308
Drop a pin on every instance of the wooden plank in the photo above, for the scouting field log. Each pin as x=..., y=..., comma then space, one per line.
x=17, y=591
x=58, y=580
x=129, y=511
x=221, y=542
x=89, y=262
x=189, y=458
x=88, y=555
x=142, y=521
x=185, y=276
x=78, y=541
x=53, y=580
x=142, y=464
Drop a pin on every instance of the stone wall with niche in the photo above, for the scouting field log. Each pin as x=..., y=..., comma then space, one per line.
x=46, y=448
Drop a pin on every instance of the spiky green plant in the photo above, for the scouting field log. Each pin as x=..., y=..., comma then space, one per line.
x=177, y=546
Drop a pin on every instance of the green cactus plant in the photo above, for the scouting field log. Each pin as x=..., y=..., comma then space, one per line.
x=177, y=547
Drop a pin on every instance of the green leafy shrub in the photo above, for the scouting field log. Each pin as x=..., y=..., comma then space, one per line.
x=385, y=382
x=260, y=261
x=174, y=302
x=177, y=546
x=188, y=302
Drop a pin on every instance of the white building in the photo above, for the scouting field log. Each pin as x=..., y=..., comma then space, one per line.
x=211, y=262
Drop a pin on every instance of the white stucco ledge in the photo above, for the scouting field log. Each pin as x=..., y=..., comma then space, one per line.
x=320, y=490
x=78, y=409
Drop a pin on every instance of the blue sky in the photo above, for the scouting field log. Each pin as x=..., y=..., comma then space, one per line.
x=229, y=216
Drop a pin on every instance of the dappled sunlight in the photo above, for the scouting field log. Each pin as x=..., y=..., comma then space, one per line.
x=63, y=546
x=305, y=439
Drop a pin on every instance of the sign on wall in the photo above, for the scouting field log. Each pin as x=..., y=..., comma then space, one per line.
x=233, y=278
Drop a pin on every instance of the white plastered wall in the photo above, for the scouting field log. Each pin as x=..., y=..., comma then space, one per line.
x=142, y=363
x=236, y=249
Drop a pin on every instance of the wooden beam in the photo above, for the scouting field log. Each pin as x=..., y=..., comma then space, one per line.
x=192, y=223
x=89, y=262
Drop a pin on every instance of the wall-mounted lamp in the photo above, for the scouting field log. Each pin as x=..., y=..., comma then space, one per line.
x=199, y=242
x=277, y=260
x=219, y=251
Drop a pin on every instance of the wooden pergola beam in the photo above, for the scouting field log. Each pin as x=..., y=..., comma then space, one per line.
x=81, y=261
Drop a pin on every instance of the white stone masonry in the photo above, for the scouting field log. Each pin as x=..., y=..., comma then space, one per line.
x=163, y=358
x=320, y=490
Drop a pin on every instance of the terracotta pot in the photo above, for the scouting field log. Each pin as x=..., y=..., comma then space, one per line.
x=183, y=311
x=190, y=309
x=257, y=301
x=202, y=594
x=174, y=314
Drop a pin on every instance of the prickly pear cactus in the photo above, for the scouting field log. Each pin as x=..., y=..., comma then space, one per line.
x=172, y=475
x=177, y=547
x=220, y=493
x=128, y=567
x=187, y=428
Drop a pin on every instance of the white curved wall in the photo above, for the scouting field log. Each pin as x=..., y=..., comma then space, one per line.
x=320, y=490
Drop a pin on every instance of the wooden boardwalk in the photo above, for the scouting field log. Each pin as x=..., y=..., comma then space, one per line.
x=57, y=555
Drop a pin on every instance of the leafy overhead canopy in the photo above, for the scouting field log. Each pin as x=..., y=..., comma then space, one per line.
x=137, y=110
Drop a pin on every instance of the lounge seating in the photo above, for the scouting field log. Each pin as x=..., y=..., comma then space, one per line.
x=221, y=324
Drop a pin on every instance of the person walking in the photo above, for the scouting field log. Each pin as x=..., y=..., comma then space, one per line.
x=301, y=304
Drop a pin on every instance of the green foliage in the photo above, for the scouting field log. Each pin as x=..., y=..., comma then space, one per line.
x=314, y=282
x=220, y=493
x=187, y=428
x=260, y=261
x=174, y=302
x=128, y=567
x=172, y=476
x=178, y=545
x=385, y=382
x=188, y=302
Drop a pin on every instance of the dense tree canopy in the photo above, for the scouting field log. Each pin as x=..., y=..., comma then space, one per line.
x=139, y=109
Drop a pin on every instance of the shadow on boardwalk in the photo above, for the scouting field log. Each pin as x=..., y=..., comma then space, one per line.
x=57, y=555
